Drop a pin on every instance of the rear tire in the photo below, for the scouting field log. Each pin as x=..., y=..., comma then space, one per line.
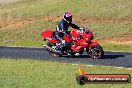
x=96, y=52
x=50, y=52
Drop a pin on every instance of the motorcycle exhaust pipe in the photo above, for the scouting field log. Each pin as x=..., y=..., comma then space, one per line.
x=50, y=49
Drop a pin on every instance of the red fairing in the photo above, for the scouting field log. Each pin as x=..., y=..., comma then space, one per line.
x=68, y=40
x=47, y=35
x=81, y=43
x=74, y=34
x=93, y=44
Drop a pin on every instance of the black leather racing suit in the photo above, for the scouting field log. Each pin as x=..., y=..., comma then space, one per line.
x=61, y=30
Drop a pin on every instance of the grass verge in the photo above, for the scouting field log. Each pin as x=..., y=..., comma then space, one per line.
x=117, y=47
x=43, y=74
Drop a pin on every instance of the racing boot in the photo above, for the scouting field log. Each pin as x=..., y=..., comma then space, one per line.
x=60, y=47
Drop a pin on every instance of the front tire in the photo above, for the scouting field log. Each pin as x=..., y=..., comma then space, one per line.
x=96, y=52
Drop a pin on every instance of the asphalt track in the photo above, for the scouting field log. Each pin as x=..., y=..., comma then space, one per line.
x=118, y=59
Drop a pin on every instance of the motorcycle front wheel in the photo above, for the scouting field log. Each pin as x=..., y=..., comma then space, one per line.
x=96, y=52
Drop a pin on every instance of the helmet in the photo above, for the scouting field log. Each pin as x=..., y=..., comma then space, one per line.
x=68, y=17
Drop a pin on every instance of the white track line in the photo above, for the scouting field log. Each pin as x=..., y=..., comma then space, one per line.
x=104, y=66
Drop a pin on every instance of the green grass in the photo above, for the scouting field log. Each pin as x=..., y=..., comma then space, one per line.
x=90, y=8
x=116, y=47
x=29, y=36
x=43, y=74
x=110, y=30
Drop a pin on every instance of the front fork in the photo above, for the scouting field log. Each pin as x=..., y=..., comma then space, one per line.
x=91, y=45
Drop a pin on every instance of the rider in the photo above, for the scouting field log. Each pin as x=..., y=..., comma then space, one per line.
x=61, y=30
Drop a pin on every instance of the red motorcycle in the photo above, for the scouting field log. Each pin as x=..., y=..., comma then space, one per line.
x=83, y=42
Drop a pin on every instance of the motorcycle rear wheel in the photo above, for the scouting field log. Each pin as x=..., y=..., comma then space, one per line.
x=51, y=52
